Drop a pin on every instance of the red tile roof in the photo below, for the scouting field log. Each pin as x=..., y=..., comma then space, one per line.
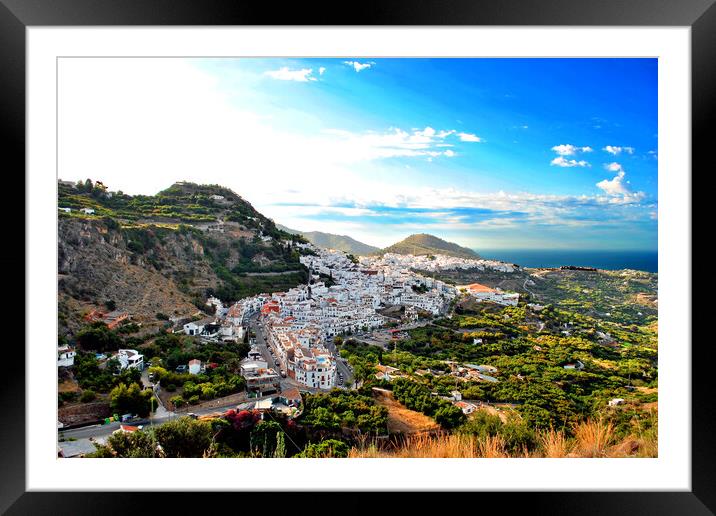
x=476, y=287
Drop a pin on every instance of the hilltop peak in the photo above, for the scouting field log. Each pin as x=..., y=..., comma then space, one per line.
x=423, y=243
x=182, y=188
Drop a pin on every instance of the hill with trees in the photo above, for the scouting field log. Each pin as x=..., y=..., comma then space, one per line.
x=424, y=244
x=165, y=253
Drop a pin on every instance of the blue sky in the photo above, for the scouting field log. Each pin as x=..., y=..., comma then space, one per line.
x=489, y=153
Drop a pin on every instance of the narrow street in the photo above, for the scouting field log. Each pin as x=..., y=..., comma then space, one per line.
x=263, y=347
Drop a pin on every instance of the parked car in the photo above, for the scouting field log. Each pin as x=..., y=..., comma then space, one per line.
x=182, y=368
x=283, y=373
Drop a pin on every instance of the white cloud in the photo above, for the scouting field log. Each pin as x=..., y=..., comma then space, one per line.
x=358, y=66
x=467, y=137
x=348, y=147
x=564, y=162
x=321, y=70
x=285, y=74
x=567, y=149
x=182, y=124
x=614, y=150
x=617, y=188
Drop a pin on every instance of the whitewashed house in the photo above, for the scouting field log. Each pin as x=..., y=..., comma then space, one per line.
x=87, y=211
x=193, y=329
x=65, y=356
x=130, y=359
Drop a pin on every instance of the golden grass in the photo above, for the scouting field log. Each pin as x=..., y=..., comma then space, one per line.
x=554, y=444
x=591, y=438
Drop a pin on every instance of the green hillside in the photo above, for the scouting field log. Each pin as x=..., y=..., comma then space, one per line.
x=424, y=244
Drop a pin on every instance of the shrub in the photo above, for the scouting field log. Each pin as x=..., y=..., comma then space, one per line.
x=87, y=396
x=130, y=399
x=325, y=449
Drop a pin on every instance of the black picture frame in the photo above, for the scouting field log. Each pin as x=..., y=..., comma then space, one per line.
x=16, y=15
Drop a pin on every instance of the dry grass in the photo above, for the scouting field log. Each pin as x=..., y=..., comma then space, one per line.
x=554, y=444
x=400, y=418
x=592, y=438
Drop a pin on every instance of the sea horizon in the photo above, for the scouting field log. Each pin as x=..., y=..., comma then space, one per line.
x=641, y=260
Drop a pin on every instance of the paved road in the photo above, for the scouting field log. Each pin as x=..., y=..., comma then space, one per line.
x=270, y=273
x=262, y=346
x=524, y=286
x=105, y=430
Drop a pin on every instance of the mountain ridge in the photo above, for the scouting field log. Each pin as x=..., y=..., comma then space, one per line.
x=343, y=243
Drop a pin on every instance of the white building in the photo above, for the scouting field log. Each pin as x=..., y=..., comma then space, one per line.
x=467, y=408
x=65, y=356
x=130, y=359
x=484, y=293
x=87, y=211
x=193, y=329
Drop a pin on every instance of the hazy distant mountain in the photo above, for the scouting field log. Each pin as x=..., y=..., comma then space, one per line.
x=329, y=241
x=423, y=244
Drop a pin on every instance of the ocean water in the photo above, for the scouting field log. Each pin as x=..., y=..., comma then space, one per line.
x=610, y=260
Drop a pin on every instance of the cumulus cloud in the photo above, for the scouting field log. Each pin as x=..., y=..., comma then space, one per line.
x=617, y=189
x=286, y=74
x=569, y=150
x=615, y=186
x=321, y=70
x=467, y=137
x=561, y=161
x=358, y=66
x=614, y=150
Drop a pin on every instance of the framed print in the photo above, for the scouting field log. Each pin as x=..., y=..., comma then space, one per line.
x=424, y=249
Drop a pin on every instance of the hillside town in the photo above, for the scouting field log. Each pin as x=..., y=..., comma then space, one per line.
x=436, y=263
x=300, y=323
